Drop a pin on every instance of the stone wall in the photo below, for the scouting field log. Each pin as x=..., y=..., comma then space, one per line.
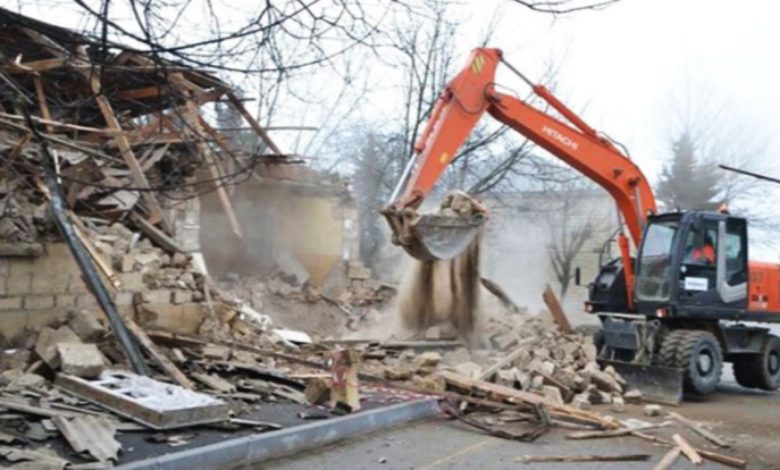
x=36, y=290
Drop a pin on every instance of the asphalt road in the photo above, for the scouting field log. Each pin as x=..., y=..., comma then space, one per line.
x=749, y=419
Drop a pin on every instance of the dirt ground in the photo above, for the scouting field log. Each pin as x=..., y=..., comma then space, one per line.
x=748, y=419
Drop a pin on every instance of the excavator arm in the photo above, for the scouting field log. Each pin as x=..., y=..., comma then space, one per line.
x=470, y=95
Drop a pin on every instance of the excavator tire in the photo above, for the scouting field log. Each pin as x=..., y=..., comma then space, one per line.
x=670, y=344
x=700, y=357
x=761, y=370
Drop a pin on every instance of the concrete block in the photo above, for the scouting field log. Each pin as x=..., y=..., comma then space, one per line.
x=77, y=285
x=124, y=298
x=46, y=345
x=11, y=303
x=126, y=264
x=132, y=282
x=468, y=369
x=652, y=410
x=157, y=296
x=87, y=301
x=182, y=319
x=38, y=302
x=49, y=283
x=18, y=283
x=65, y=300
x=553, y=394
x=182, y=296
x=85, y=325
x=81, y=360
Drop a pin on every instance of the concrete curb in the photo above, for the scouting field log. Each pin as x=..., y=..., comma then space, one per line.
x=260, y=447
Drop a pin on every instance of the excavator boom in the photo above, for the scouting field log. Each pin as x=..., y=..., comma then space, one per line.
x=466, y=98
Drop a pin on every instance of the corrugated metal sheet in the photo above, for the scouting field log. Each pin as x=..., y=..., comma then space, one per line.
x=93, y=435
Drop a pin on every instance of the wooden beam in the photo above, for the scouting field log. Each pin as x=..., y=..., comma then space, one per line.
x=512, y=395
x=41, y=96
x=668, y=460
x=141, y=93
x=700, y=430
x=139, y=177
x=239, y=106
x=688, y=450
x=557, y=312
x=36, y=65
x=72, y=127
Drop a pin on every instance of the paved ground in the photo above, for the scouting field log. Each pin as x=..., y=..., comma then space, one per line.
x=750, y=419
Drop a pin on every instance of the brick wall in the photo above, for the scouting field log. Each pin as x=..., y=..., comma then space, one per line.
x=34, y=291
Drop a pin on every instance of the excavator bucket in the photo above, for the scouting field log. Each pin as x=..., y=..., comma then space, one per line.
x=658, y=384
x=435, y=237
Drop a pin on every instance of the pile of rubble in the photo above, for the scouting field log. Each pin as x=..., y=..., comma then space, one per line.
x=300, y=305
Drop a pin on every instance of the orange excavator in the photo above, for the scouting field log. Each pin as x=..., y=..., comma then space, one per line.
x=672, y=306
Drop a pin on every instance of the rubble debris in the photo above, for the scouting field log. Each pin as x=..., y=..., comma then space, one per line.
x=38, y=459
x=688, y=450
x=92, y=435
x=145, y=400
x=80, y=360
x=700, y=430
x=668, y=459
x=652, y=410
x=46, y=345
x=344, y=381
x=85, y=325
x=585, y=458
x=556, y=310
x=318, y=391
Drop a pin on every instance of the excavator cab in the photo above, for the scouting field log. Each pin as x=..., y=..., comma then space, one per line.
x=692, y=265
x=691, y=270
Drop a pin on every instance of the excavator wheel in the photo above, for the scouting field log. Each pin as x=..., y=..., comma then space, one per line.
x=760, y=370
x=700, y=357
x=670, y=344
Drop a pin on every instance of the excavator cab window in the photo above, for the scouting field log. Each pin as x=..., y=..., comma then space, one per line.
x=655, y=262
x=698, y=272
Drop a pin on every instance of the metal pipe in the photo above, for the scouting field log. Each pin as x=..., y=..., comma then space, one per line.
x=404, y=177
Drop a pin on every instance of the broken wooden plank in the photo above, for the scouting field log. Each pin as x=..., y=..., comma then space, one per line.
x=521, y=347
x=41, y=97
x=214, y=382
x=556, y=310
x=668, y=459
x=165, y=364
x=727, y=460
x=105, y=266
x=700, y=430
x=239, y=106
x=688, y=450
x=16, y=405
x=518, y=396
x=161, y=238
x=614, y=432
x=139, y=177
x=584, y=458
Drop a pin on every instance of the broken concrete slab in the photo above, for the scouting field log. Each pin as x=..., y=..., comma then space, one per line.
x=46, y=345
x=468, y=369
x=150, y=402
x=81, y=359
x=85, y=325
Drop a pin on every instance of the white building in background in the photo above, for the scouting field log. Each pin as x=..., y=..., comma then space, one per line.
x=525, y=227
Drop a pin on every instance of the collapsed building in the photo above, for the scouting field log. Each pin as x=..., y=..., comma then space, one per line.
x=109, y=155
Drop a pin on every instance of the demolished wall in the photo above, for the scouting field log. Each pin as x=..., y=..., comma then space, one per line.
x=294, y=220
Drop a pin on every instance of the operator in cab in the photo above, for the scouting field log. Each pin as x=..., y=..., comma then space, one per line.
x=702, y=251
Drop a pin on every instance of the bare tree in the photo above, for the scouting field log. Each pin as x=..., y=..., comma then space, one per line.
x=571, y=224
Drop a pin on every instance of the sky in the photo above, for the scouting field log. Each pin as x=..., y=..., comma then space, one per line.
x=630, y=70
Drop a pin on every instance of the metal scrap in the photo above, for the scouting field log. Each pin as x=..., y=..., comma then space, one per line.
x=91, y=435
